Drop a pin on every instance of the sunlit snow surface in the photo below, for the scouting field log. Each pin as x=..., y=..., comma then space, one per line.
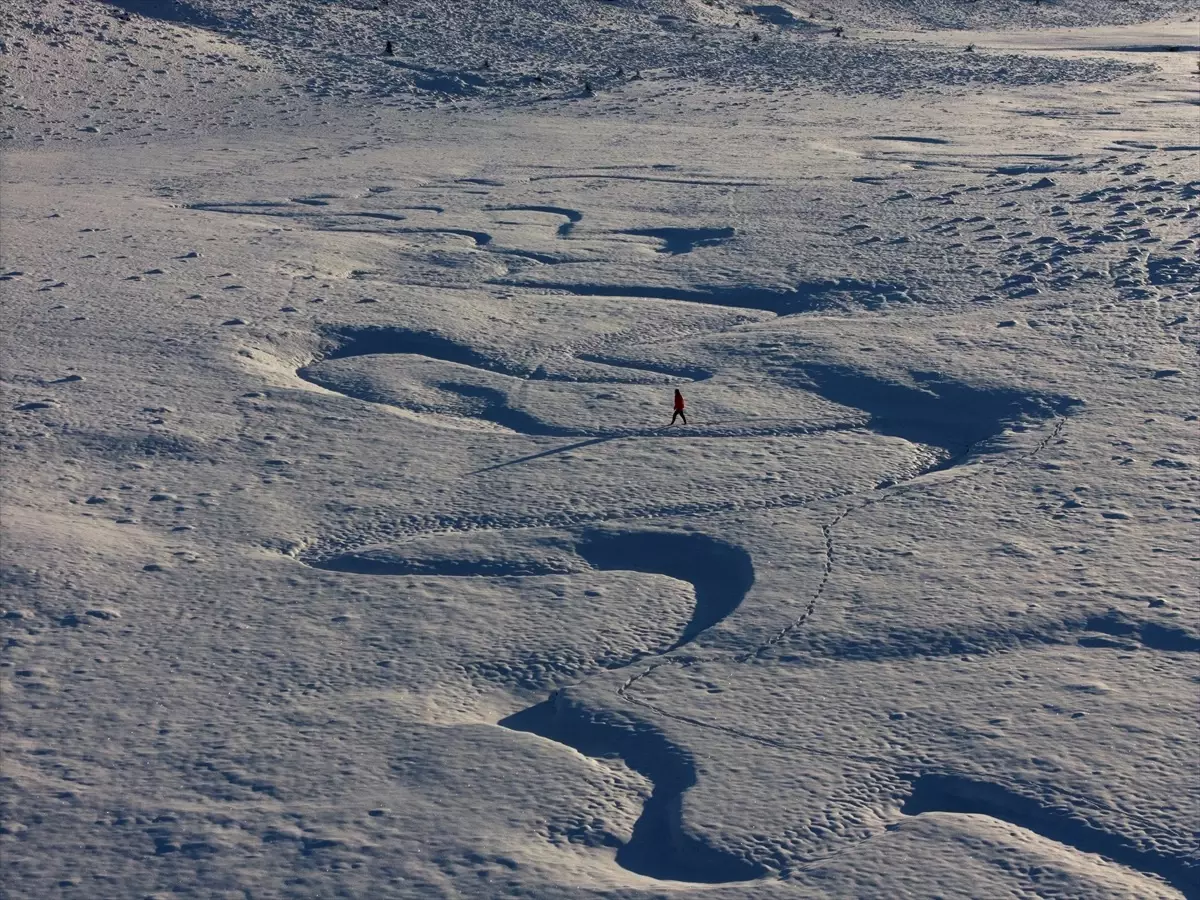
x=347, y=550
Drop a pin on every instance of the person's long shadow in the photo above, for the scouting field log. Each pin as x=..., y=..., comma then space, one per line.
x=551, y=452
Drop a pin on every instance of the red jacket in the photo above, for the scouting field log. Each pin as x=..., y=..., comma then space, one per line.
x=678, y=401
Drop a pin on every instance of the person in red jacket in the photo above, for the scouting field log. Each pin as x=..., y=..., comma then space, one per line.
x=679, y=404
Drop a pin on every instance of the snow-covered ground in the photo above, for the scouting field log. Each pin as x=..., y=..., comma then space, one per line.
x=347, y=551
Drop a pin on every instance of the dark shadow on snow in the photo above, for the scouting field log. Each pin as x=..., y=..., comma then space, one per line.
x=684, y=240
x=1151, y=635
x=659, y=847
x=909, y=139
x=1060, y=823
x=804, y=297
x=936, y=410
x=169, y=11
x=376, y=340
x=564, y=230
x=1110, y=630
x=578, y=445
x=492, y=405
x=720, y=573
x=773, y=14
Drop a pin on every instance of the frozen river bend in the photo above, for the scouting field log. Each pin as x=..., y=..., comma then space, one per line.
x=346, y=548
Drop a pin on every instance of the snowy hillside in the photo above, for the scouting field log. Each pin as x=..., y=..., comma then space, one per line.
x=210, y=64
x=348, y=551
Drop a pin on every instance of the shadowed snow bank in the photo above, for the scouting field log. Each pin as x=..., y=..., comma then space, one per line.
x=1062, y=824
x=804, y=297
x=935, y=410
x=659, y=846
x=721, y=573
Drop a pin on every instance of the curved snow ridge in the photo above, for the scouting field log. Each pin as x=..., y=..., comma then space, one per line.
x=573, y=216
x=345, y=342
x=1110, y=630
x=677, y=241
x=350, y=341
x=678, y=372
x=720, y=573
x=1060, y=823
x=712, y=182
x=928, y=407
x=344, y=542
x=478, y=238
x=880, y=494
x=287, y=210
x=659, y=846
x=494, y=553
x=489, y=405
x=316, y=213
x=380, y=561
x=805, y=296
